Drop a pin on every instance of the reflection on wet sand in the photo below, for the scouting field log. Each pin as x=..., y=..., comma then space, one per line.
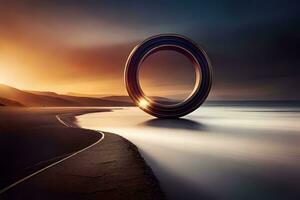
x=174, y=123
x=216, y=152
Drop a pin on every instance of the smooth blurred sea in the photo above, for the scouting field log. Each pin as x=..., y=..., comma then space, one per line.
x=232, y=150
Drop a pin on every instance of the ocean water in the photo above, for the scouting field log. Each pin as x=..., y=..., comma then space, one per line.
x=216, y=152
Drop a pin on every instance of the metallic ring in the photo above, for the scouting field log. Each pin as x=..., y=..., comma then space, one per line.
x=179, y=44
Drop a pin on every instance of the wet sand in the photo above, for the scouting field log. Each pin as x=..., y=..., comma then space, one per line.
x=32, y=138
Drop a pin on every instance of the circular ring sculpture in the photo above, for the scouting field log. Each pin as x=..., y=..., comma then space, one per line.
x=179, y=44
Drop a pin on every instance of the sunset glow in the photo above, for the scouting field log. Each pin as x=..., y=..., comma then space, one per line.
x=82, y=48
x=149, y=99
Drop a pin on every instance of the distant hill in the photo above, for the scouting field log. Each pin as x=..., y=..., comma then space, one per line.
x=51, y=94
x=30, y=99
x=16, y=97
x=88, y=101
x=40, y=98
x=87, y=95
x=117, y=98
x=8, y=102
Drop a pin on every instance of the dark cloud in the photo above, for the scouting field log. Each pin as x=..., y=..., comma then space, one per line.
x=253, y=45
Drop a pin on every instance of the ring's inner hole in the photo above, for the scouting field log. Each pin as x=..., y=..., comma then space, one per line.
x=167, y=77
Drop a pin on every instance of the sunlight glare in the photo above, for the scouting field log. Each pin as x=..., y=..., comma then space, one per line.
x=143, y=103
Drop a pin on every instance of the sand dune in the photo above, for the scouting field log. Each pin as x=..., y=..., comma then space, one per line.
x=30, y=99
x=16, y=97
x=40, y=98
x=8, y=102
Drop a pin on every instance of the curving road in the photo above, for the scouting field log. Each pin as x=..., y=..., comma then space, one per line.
x=55, y=163
x=97, y=171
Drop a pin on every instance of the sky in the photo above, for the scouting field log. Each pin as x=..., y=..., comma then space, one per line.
x=82, y=46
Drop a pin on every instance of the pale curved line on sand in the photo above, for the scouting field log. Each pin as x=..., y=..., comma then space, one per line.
x=55, y=163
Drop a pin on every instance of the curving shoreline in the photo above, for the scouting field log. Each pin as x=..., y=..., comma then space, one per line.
x=112, y=169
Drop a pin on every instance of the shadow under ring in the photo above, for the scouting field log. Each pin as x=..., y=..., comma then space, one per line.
x=179, y=44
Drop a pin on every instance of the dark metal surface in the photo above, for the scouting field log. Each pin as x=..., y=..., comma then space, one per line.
x=184, y=46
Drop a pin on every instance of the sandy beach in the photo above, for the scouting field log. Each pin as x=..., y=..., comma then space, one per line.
x=33, y=138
